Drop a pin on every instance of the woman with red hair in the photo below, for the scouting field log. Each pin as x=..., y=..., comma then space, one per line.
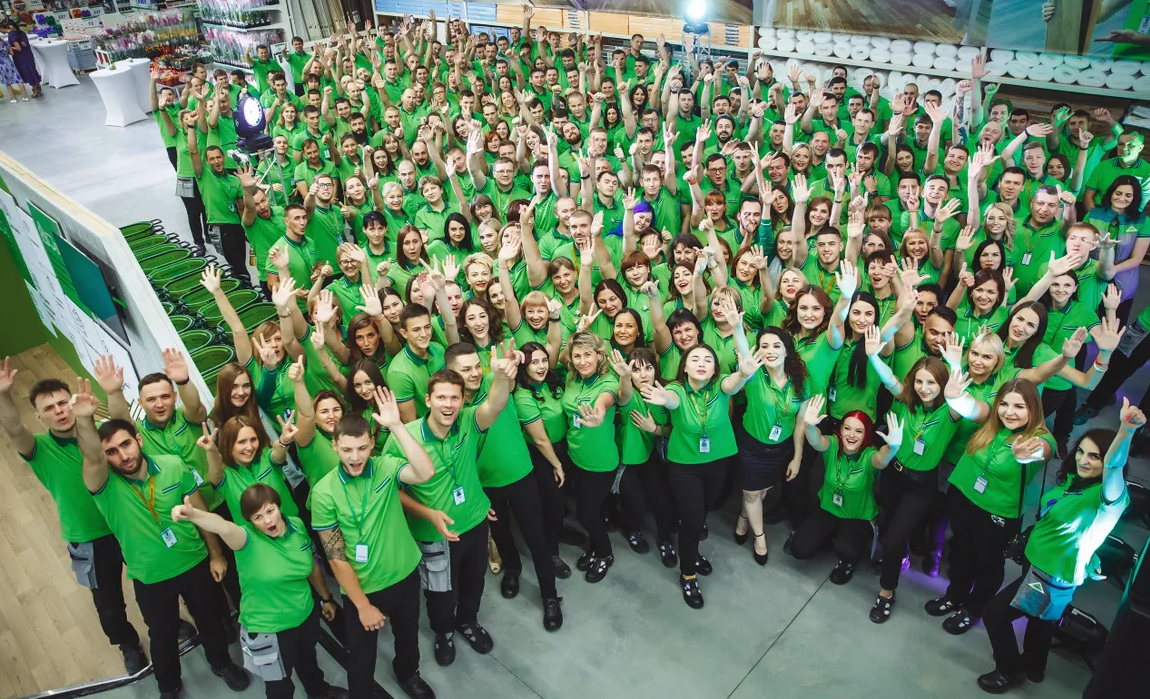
x=846, y=499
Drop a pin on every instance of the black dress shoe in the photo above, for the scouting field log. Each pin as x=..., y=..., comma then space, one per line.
x=788, y=544
x=584, y=561
x=552, y=613
x=416, y=688
x=761, y=559
x=703, y=566
x=1036, y=676
x=667, y=554
x=234, y=676
x=691, y=594
x=562, y=570
x=880, y=612
x=998, y=682
x=134, y=658
x=444, y=649
x=477, y=637
x=509, y=586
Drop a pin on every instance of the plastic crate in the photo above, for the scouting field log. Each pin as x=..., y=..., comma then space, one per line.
x=143, y=243
x=177, y=270
x=183, y=286
x=242, y=298
x=137, y=230
x=257, y=314
x=195, y=340
x=181, y=322
x=202, y=297
x=151, y=251
x=168, y=257
x=169, y=307
x=212, y=358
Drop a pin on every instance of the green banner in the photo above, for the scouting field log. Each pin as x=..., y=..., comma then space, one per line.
x=49, y=232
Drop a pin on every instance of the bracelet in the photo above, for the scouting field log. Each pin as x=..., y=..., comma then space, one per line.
x=327, y=600
x=285, y=446
x=553, y=319
x=181, y=383
x=1100, y=365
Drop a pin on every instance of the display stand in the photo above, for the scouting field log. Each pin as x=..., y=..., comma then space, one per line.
x=52, y=55
x=141, y=69
x=119, y=91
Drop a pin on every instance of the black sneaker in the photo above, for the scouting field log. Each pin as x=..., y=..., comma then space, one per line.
x=572, y=537
x=172, y=693
x=552, y=613
x=234, y=676
x=134, y=658
x=562, y=570
x=880, y=612
x=185, y=631
x=477, y=637
x=998, y=682
x=1082, y=416
x=703, y=566
x=637, y=543
x=584, y=561
x=691, y=594
x=199, y=251
x=959, y=623
x=705, y=533
x=940, y=606
x=416, y=688
x=444, y=649
x=667, y=554
x=842, y=573
x=598, y=568
x=509, y=586
x=930, y=563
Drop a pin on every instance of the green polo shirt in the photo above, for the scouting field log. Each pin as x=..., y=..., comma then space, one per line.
x=305, y=173
x=239, y=478
x=770, y=406
x=1107, y=171
x=432, y=222
x=407, y=375
x=905, y=357
x=1032, y=248
x=968, y=323
x=852, y=479
x=263, y=234
x=273, y=578
x=1073, y=523
x=139, y=512
x=591, y=448
x=820, y=359
x=220, y=193
x=368, y=512
x=349, y=294
x=58, y=465
x=843, y=393
x=1042, y=354
x=985, y=392
x=302, y=258
x=318, y=458
x=455, y=489
x=703, y=416
x=1091, y=283
x=1004, y=480
x=635, y=445
x=1061, y=323
x=325, y=229
x=503, y=457
x=925, y=435
x=178, y=438
x=537, y=402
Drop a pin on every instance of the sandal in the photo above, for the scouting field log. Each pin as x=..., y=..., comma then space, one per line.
x=959, y=623
x=880, y=612
x=494, y=560
x=761, y=558
x=940, y=606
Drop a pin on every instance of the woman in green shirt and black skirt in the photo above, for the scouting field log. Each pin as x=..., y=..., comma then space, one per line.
x=280, y=623
x=1073, y=520
x=700, y=448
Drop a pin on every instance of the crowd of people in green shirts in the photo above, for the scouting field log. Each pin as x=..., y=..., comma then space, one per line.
x=522, y=277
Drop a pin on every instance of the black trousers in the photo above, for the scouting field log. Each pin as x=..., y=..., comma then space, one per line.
x=234, y=246
x=592, y=490
x=172, y=157
x=906, y=497
x=1060, y=404
x=852, y=537
x=998, y=617
x=297, y=651
x=645, y=488
x=399, y=604
x=977, y=561
x=197, y=217
x=696, y=488
x=521, y=498
x=1121, y=368
x=551, y=502
x=108, y=596
x=448, y=610
x=160, y=604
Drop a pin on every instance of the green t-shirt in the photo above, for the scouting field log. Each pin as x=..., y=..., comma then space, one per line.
x=925, y=435
x=318, y=458
x=591, y=448
x=219, y=193
x=1074, y=524
x=263, y=234
x=1061, y=324
x=1032, y=248
x=239, y=478
x=537, y=402
x=771, y=409
x=367, y=510
x=701, y=428
x=503, y=457
x=302, y=258
x=992, y=478
x=455, y=489
x=635, y=445
x=843, y=394
x=407, y=375
x=273, y=578
x=325, y=230
x=850, y=481
x=139, y=513
x=178, y=438
x=820, y=359
x=985, y=392
x=58, y=465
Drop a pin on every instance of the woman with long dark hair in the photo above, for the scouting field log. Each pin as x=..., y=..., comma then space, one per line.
x=1125, y=226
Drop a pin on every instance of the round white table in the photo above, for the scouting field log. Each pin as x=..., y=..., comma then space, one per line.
x=53, y=62
x=141, y=70
x=121, y=97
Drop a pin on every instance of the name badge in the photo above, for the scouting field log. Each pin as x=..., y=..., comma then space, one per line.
x=980, y=484
x=776, y=432
x=361, y=553
x=460, y=498
x=1026, y=258
x=837, y=499
x=197, y=478
x=704, y=445
x=919, y=446
x=832, y=394
x=576, y=422
x=168, y=536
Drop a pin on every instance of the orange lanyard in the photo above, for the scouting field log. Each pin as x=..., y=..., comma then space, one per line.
x=150, y=501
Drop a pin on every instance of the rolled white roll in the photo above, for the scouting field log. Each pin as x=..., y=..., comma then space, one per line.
x=965, y=53
x=996, y=69
x=932, y=84
x=879, y=55
x=1120, y=81
x=923, y=82
x=842, y=49
x=902, y=58
x=1076, y=62
x=785, y=44
x=824, y=50
x=844, y=36
x=857, y=40
x=1041, y=73
x=1050, y=59
x=944, y=62
x=823, y=38
x=880, y=42
x=1017, y=69
x=1102, y=64
x=948, y=87
x=926, y=47
x=861, y=53
x=785, y=33
x=1001, y=55
x=1092, y=78
x=806, y=47
x=767, y=43
x=922, y=60
x=767, y=31
x=1065, y=74
x=1126, y=67
x=1026, y=58
x=1142, y=84
x=946, y=50
x=804, y=35
x=1145, y=67
x=900, y=46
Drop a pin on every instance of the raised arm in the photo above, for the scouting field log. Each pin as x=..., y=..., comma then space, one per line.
x=95, y=464
x=503, y=369
x=10, y=420
x=1130, y=420
x=176, y=369
x=233, y=536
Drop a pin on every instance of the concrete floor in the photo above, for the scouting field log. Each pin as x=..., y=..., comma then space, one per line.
x=782, y=630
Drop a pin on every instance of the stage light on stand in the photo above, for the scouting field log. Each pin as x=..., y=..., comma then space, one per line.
x=250, y=121
x=695, y=13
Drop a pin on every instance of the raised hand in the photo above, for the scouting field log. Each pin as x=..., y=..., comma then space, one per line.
x=387, y=410
x=207, y=440
x=175, y=366
x=619, y=364
x=284, y=294
x=1072, y=345
x=814, y=414
x=288, y=428
x=1107, y=334
x=655, y=394
x=7, y=376
x=847, y=279
x=952, y=351
x=749, y=363
x=296, y=371
x=1131, y=417
x=210, y=278
x=84, y=403
x=590, y=415
x=957, y=384
x=108, y=375
x=1112, y=297
x=181, y=513
x=965, y=239
x=1026, y=450
x=894, y=430
x=873, y=341
x=371, y=304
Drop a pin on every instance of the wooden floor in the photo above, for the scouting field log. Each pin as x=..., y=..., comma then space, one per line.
x=50, y=636
x=914, y=19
